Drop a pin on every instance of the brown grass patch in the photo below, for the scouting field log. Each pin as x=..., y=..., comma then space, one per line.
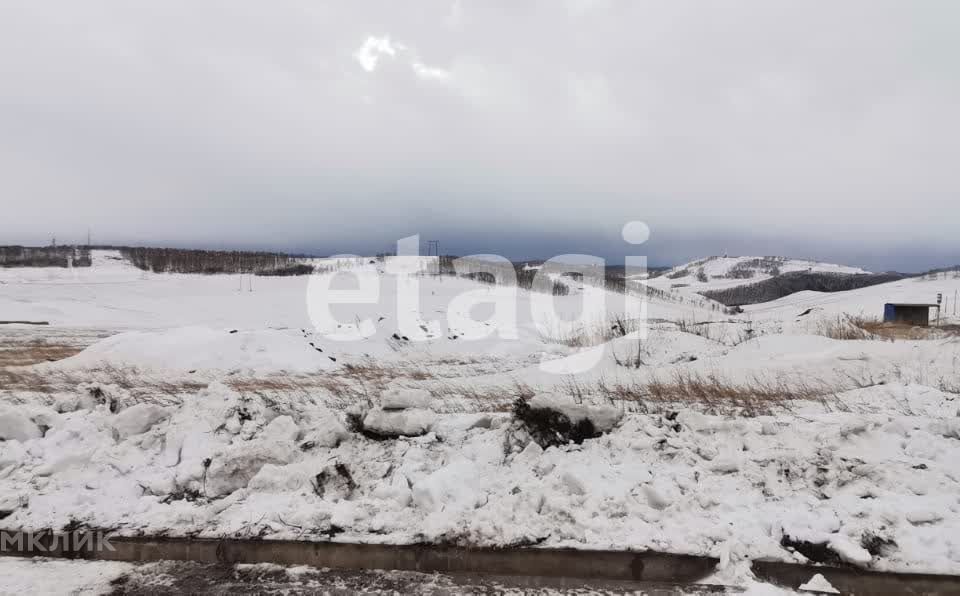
x=138, y=385
x=35, y=353
x=849, y=327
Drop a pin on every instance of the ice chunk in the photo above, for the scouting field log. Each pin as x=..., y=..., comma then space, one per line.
x=11, y=453
x=14, y=426
x=399, y=423
x=281, y=429
x=235, y=468
x=398, y=398
x=138, y=419
x=848, y=550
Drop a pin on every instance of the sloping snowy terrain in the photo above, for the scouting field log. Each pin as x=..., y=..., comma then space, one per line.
x=215, y=410
x=717, y=273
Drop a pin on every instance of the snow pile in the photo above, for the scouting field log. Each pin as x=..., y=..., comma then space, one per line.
x=818, y=583
x=191, y=348
x=871, y=489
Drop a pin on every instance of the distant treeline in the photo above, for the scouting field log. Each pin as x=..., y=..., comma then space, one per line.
x=178, y=260
x=798, y=281
x=44, y=256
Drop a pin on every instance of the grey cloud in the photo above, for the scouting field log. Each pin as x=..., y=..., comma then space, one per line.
x=829, y=127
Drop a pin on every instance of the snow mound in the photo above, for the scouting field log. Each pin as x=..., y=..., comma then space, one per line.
x=189, y=348
x=818, y=583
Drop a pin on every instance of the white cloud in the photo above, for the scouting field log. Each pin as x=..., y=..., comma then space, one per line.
x=372, y=49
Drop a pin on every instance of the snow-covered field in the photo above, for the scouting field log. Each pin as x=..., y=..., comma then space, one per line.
x=211, y=409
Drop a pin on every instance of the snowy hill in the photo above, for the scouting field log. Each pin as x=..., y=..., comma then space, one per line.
x=719, y=273
x=750, y=268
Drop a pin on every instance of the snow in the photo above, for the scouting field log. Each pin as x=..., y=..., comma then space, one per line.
x=818, y=583
x=57, y=576
x=848, y=550
x=191, y=348
x=222, y=433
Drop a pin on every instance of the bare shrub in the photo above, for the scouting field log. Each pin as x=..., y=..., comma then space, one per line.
x=844, y=327
x=705, y=329
x=594, y=334
x=632, y=359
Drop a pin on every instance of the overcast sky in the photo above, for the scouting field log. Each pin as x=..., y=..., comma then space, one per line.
x=526, y=128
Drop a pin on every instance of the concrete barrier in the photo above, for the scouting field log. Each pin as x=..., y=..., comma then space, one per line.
x=596, y=565
x=544, y=562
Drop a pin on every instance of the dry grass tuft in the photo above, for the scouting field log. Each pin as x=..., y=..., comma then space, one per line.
x=459, y=397
x=707, y=391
